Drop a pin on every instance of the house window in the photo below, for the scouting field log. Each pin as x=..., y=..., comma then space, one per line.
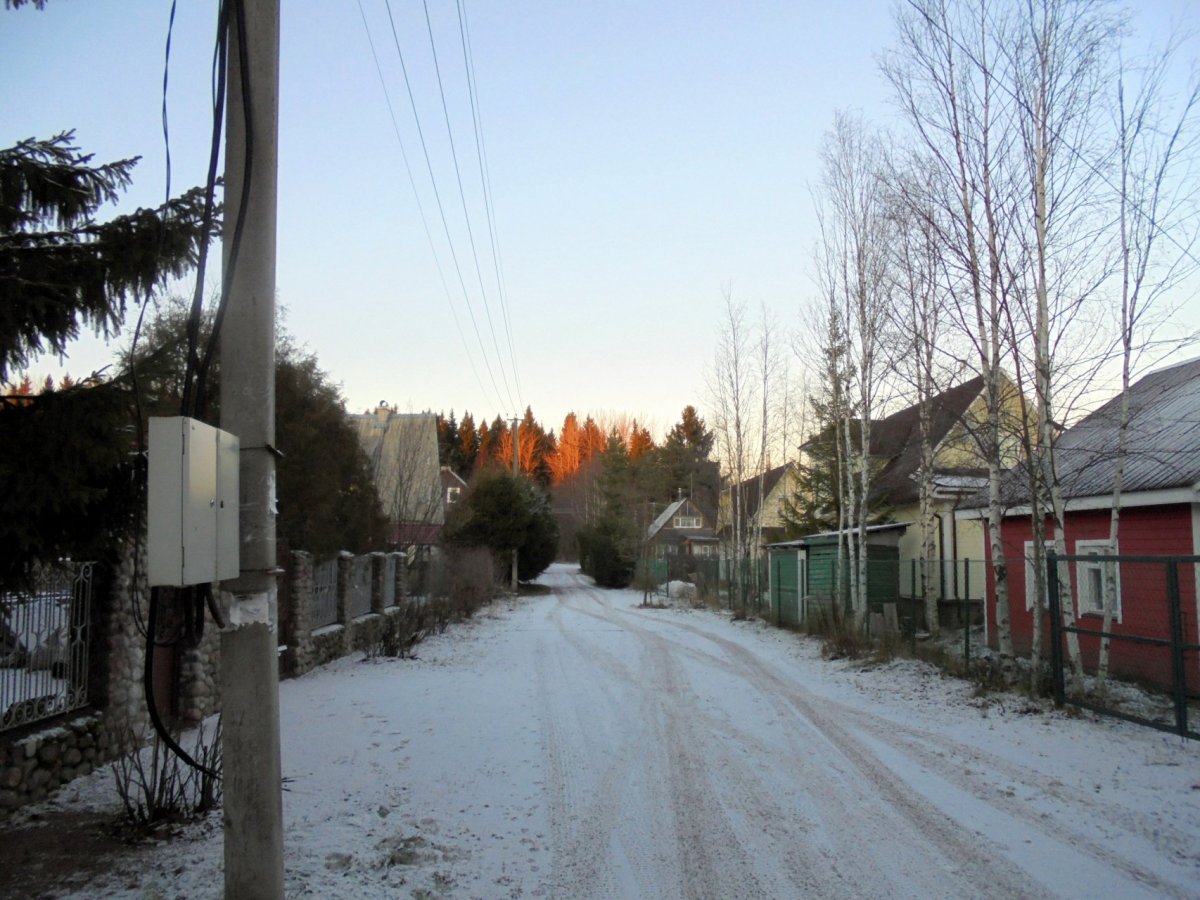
x=687, y=521
x=452, y=494
x=702, y=550
x=1095, y=578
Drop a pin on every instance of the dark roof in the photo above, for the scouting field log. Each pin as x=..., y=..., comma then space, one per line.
x=1162, y=444
x=897, y=439
x=450, y=478
x=770, y=479
x=421, y=533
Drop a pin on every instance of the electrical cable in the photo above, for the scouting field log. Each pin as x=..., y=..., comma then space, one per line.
x=463, y=196
x=464, y=30
x=148, y=687
x=420, y=206
x=139, y=419
x=441, y=208
x=240, y=220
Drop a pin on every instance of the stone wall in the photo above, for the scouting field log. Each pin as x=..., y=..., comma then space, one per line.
x=36, y=760
x=308, y=649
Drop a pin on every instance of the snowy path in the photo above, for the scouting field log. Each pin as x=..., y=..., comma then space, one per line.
x=576, y=746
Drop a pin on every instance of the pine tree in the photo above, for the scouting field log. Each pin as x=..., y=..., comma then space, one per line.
x=468, y=446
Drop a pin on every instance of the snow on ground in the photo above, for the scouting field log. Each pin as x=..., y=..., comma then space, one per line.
x=574, y=745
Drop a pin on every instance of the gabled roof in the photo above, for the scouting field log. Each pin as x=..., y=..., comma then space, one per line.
x=663, y=518
x=1162, y=444
x=450, y=478
x=897, y=438
x=896, y=442
x=660, y=522
x=403, y=452
x=770, y=480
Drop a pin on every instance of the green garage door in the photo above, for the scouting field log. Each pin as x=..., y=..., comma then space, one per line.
x=785, y=587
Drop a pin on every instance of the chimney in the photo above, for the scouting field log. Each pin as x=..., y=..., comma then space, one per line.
x=382, y=412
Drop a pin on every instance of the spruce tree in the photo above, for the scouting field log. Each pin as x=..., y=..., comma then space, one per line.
x=60, y=268
x=67, y=454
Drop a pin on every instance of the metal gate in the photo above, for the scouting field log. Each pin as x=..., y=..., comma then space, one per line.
x=1153, y=650
x=44, y=645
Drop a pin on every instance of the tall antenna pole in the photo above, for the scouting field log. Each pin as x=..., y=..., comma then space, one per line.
x=253, y=818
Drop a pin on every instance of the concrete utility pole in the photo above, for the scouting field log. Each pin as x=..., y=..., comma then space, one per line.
x=516, y=474
x=253, y=805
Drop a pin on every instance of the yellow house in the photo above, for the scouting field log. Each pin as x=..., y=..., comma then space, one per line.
x=759, y=502
x=957, y=419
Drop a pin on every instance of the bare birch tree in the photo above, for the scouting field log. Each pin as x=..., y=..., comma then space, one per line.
x=943, y=72
x=1155, y=223
x=919, y=327
x=855, y=234
x=732, y=393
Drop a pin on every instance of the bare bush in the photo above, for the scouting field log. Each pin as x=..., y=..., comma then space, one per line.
x=461, y=580
x=157, y=787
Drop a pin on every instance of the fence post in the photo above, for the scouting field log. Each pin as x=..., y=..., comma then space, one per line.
x=1178, y=683
x=300, y=596
x=1056, y=660
x=401, y=578
x=965, y=613
x=345, y=575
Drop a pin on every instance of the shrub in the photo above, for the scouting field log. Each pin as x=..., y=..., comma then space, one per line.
x=157, y=787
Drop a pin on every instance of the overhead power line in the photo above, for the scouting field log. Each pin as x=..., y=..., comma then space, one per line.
x=441, y=207
x=464, y=29
x=421, y=207
x=463, y=196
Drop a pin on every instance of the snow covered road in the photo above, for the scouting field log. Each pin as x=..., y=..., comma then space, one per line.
x=577, y=746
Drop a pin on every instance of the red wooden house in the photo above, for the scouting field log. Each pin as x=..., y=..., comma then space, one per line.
x=1160, y=517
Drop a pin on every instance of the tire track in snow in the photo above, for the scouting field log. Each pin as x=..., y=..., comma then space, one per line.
x=700, y=744
x=597, y=853
x=913, y=805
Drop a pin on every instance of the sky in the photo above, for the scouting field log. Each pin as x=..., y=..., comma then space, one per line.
x=642, y=159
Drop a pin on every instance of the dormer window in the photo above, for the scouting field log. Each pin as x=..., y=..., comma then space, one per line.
x=687, y=521
x=452, y=494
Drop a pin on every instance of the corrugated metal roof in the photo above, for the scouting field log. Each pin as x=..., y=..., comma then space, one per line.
x=1162, y=445
x=663, y=518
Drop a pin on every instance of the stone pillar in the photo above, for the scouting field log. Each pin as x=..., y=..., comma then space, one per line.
x=298, y=637
x=345, y=576
x=122, y=641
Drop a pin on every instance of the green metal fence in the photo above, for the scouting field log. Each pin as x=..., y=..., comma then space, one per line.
x=813, y=591
x=651, y=576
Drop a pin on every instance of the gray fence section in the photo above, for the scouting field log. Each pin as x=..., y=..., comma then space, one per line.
x=359, y=601
x=389, y=580
x=324, y=595
x=44, y=646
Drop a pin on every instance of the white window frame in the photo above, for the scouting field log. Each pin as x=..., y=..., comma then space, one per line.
x=687, y=522
x=1086, y=604
x=452, y=494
